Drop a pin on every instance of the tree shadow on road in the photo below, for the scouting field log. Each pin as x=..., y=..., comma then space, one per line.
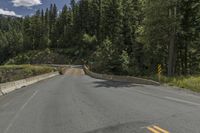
x=115, y=84
x=129, y=127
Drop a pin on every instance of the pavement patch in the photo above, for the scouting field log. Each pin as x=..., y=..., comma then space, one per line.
x=74, y=72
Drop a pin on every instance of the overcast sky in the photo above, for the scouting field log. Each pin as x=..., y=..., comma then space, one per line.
x=27, y=7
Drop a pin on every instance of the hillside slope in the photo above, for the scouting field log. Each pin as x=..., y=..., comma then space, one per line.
x=46, y=56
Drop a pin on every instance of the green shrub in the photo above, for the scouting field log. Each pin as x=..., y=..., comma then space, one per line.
x=124, y=61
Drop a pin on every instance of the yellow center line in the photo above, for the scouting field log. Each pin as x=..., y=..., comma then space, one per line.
x=153, y=130
x=160, y=129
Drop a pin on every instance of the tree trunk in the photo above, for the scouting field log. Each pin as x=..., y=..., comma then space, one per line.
x=172, y=56
x=186, y=59
x=172, y=46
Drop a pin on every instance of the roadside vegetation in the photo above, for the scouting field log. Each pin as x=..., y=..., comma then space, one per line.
x=46, y=56
x=121, y=37
x=186, y=82
x=16, y=72
x=190, y=82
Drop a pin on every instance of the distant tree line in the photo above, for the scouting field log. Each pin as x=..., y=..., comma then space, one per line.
x=114, y=36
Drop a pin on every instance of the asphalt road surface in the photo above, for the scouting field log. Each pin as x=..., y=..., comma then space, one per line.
x=76, y=103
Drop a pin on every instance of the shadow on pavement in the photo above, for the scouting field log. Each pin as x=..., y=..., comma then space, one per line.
x=130, y=127
x=116, y=84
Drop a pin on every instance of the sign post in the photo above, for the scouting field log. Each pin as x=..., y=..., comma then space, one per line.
x=159, y=72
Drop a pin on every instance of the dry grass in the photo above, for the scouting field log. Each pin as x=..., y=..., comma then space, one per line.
x=189, y=82
x=15, y=72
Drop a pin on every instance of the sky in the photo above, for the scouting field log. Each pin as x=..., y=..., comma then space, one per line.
x=21, y=8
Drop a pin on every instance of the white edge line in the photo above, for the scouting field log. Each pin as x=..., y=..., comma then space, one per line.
x=170, y=98
x=19, y=111
x=182, y=101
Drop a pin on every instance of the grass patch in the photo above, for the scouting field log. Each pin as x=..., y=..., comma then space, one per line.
x=187, y=82
x=16, y=72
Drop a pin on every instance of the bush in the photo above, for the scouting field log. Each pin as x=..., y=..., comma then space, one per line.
x=104, y=56
x=124, y=61
x=89, y=39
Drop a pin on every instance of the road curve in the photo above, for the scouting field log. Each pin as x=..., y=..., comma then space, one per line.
x=76, y=103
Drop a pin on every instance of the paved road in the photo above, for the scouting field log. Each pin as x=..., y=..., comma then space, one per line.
x=75, y=103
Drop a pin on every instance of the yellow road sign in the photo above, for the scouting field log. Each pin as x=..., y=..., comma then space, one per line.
x=159, y=71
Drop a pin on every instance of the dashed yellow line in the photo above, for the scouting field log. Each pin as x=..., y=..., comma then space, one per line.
x=156, y=129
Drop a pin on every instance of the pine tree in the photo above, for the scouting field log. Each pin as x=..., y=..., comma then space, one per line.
x=62, y=26
x=96, y=18
x=52, y=25
x=27, y=34
x=3, y=46
x=157, y=31
x=188, y=41
x=112, y=21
